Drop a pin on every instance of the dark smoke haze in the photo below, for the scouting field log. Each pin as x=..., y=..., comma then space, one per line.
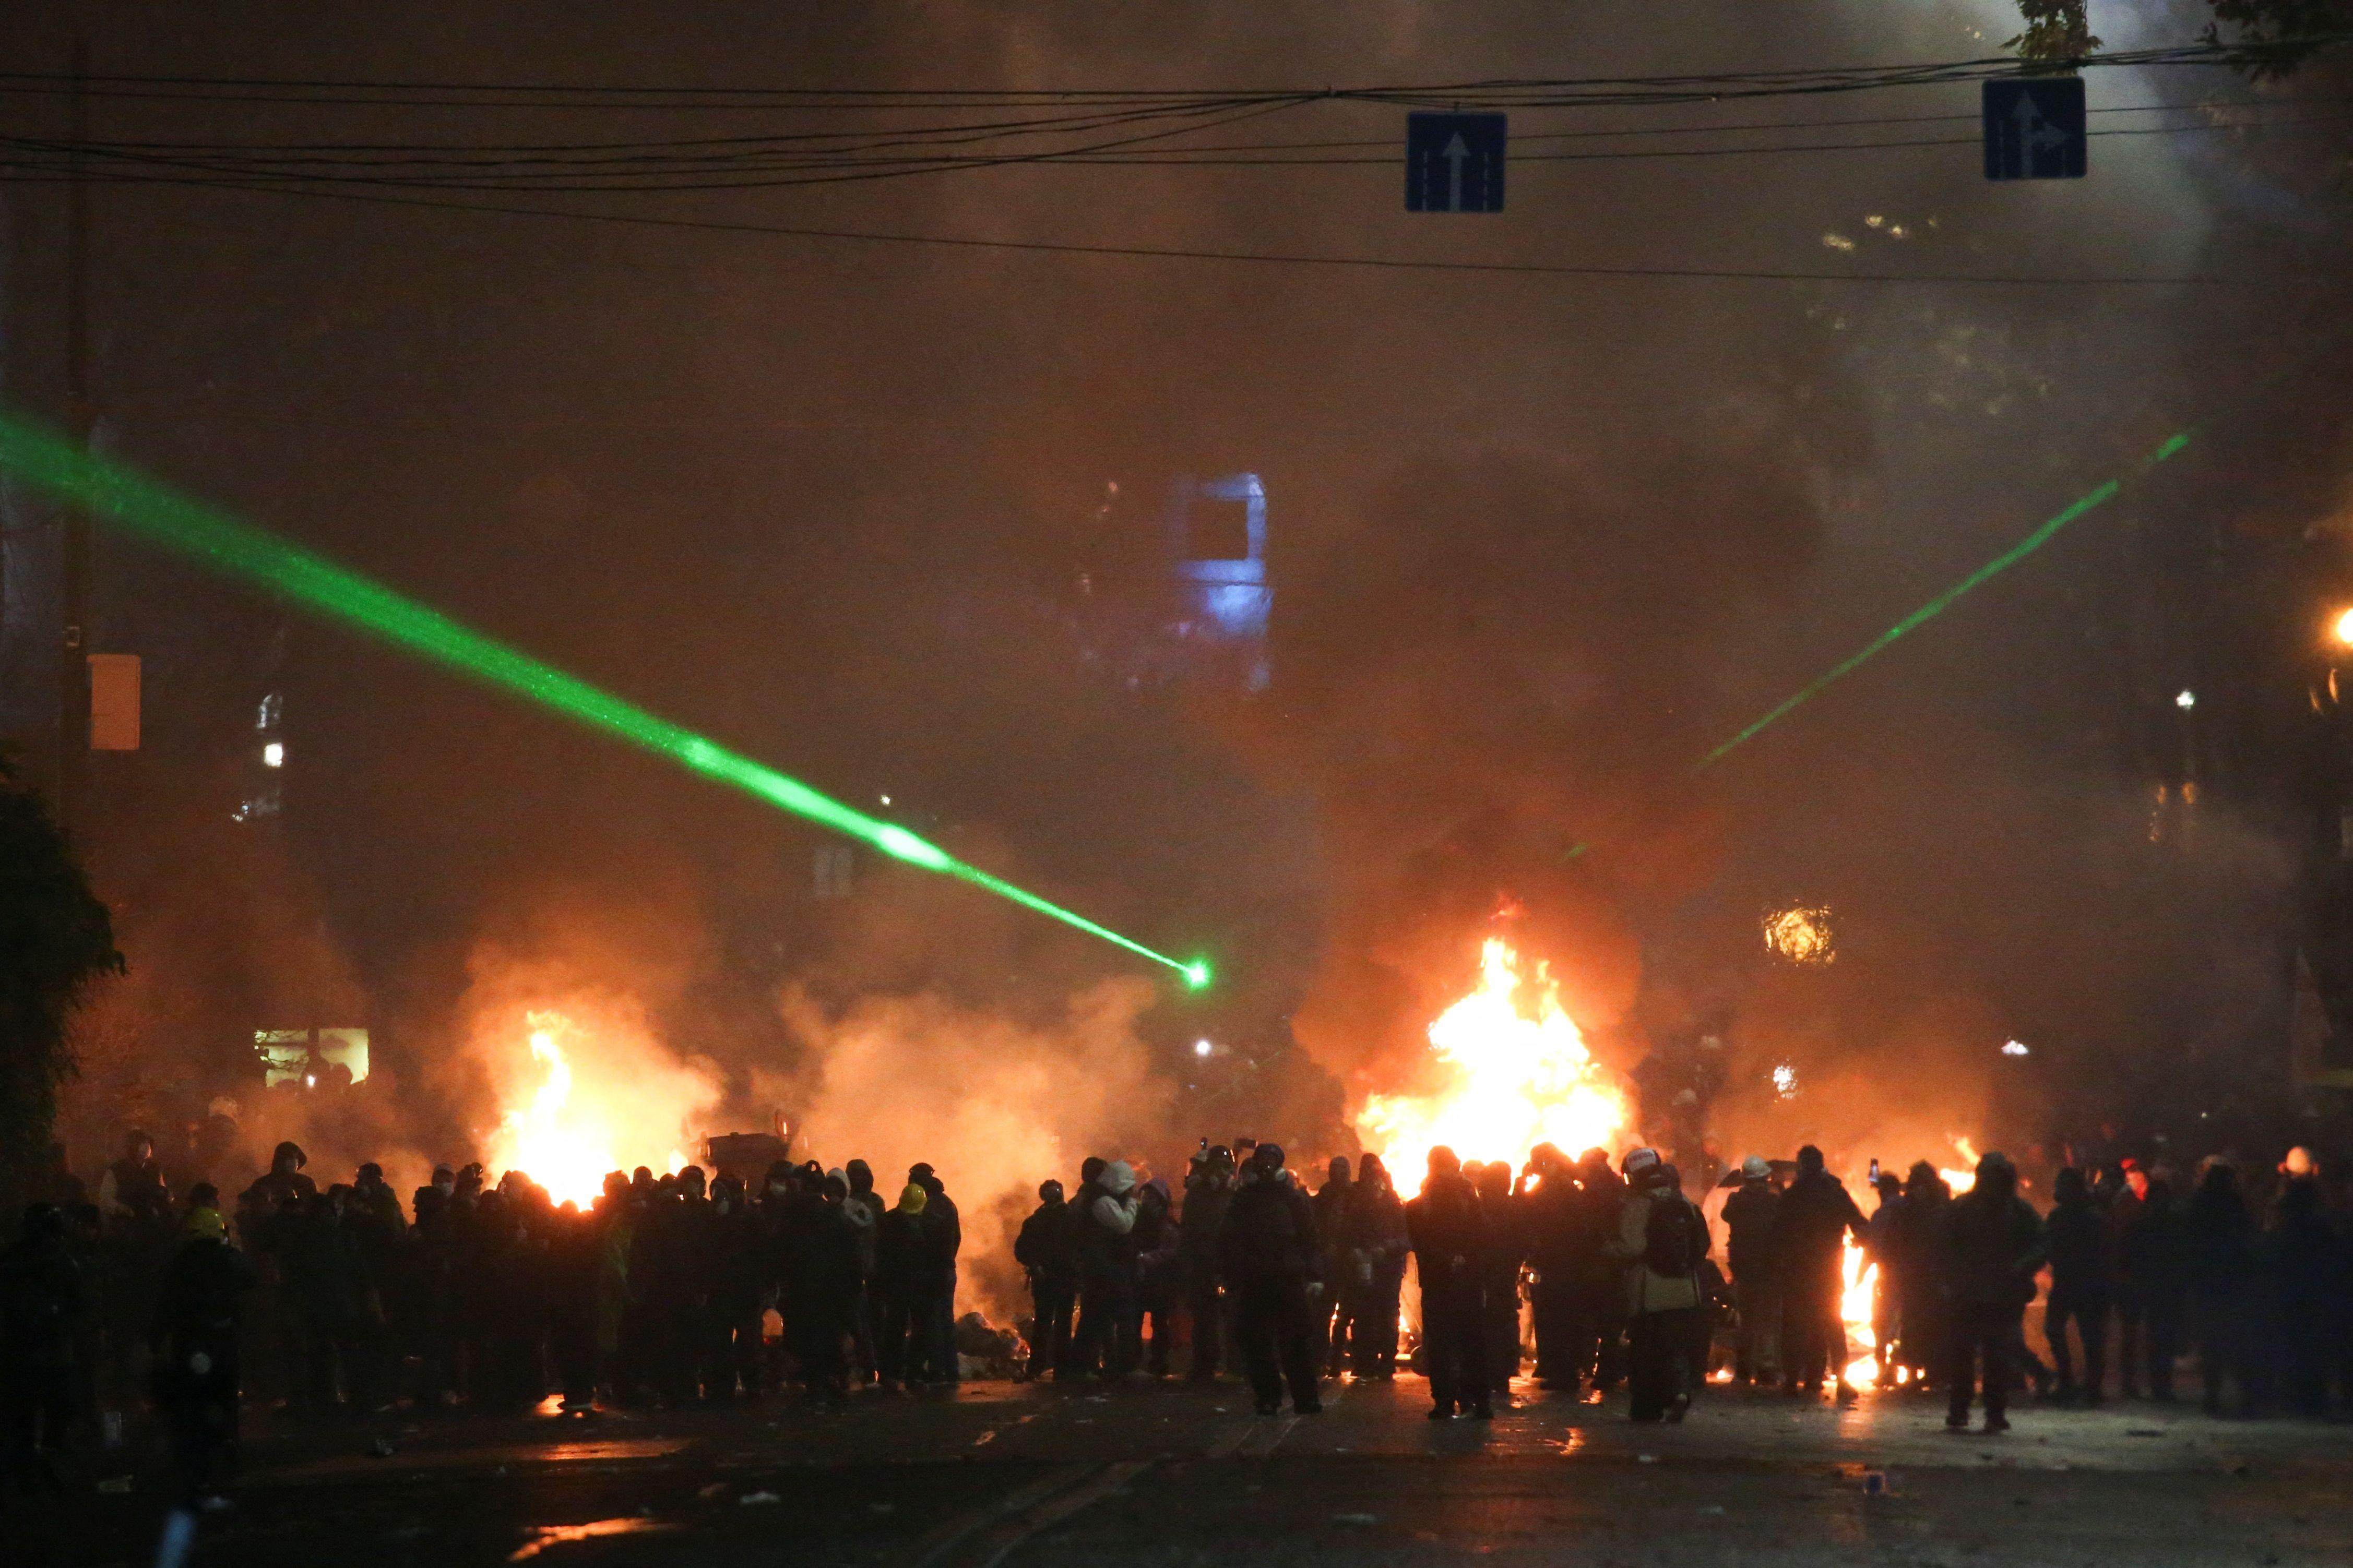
x=1538, y=545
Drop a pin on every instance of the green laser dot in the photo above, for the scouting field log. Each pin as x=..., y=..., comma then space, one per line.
x=155, y=512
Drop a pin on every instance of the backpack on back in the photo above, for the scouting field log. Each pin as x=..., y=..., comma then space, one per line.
x=1669, y=1236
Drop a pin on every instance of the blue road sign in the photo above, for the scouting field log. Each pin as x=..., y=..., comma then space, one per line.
x=1454, y=163
x=2034, y=128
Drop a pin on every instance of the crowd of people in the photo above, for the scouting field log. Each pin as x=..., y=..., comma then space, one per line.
x=676, y=1288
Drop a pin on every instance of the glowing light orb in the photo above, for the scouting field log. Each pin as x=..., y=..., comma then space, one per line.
x=1800, y=935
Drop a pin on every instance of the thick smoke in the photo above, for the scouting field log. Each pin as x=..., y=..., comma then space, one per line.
x=1538, y=544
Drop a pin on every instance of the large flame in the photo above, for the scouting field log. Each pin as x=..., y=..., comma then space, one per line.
x=1517, y=1080
x=563, y=1146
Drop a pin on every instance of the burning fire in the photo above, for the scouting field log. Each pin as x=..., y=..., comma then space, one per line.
x=565, y=1147
x=1859, y=1282
x=1519, y=1078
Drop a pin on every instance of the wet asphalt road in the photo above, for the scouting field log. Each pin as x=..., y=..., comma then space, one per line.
x=1000, y=1474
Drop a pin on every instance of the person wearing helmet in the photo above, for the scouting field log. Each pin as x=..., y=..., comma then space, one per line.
x=1752, y=1215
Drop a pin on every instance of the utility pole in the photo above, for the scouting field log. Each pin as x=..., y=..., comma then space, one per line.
x=73, y=661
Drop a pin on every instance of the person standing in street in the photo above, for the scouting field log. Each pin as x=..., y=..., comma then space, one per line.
x=1449, y=1231
x=1752, y=1215
x=2080, y=1291
x=1661, y=1238
x=1267, y=1252
x=1993, y=1244
x=1048, y=1251
x=1817, y=1215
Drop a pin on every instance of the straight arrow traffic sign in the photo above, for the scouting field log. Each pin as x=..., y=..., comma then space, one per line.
x=1454, y=163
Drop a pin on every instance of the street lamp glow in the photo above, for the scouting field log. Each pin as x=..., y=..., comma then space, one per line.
x=2187, y=701
x=1202, y=1048
x=273, y=755
x=2343, y=627
x=2013, y=1049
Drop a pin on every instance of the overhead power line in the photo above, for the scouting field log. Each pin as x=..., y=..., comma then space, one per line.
x=611, y=169
x=1269, y=259
x=1527, y=92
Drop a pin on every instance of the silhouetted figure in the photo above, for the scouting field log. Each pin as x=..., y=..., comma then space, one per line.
x=42, y=1303
x=193, y=1341
x=1208, y=1187
x=1993, y=1244
x=2218, y=1266
x=1752, y=1217
x=1499, y=1276
x=2305, y=1254
x=1333, y=1312
x=2082, y=1290
x=1267, y=1252
x=1449, y=1230
x=906, y=1280
x=1048, y=1251
x=1817, y=1215
x=1376, y=1231
x=1158, y=1283
x=945, y=1225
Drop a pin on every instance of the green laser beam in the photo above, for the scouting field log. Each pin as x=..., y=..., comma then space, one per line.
x=237, y=549
x=2089, y=501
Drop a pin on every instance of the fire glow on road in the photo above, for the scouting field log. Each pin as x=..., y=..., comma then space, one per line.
x=156, y=512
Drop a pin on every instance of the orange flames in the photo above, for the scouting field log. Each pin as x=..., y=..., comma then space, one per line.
x=567, y=1143
x=1517, y=1078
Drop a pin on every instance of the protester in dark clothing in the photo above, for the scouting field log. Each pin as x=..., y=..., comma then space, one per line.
x=1449, y=1230
x=1158, y=1283
x=1660, y=1240
x=193, y=1341
x=1499, y=1277
x=1267, y=1255
x=1208, y=1187
x=864, y=1209
x=1333, y=1313
x=1993, y=1245
x=1597, y=1347
x=945, y=1227
x=1376, y=1231
x=2219, y=1260
x=817, y=1275
x=42, y=1303
x=1105, y=1340
x=1752, y=1216
x=738, y=1286
x=1548, y=1196
x=1816, y=1216
x=1048, y=1251
x=2082, y=1290
x=133, y=1190
x=1913, y=1249
x=906, y=1276
x=2304, y=1261
x=2145, y=1232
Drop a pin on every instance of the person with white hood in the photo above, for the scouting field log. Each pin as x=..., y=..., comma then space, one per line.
x=1106, y=1338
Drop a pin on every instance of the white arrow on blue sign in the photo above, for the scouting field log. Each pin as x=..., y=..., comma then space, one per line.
x=1454, y=163
x=2034, y=128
